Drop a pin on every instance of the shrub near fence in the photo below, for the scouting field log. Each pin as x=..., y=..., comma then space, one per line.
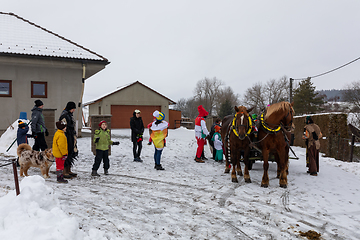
x=336, y=139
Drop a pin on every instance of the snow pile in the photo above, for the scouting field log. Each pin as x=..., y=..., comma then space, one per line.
x=35, y=214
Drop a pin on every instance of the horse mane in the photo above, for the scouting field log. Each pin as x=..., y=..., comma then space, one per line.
x=277, y=107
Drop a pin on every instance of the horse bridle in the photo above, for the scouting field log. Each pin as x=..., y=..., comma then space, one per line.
x=289, y=125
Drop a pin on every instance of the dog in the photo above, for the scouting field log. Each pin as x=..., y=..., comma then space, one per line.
x=31, y=158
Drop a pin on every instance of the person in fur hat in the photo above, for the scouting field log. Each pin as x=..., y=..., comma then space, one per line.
x=201, y=132
x=60, y=150
x=312, y=134
x=67, y=117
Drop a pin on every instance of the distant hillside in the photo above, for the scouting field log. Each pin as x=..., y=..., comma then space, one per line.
x=332, y=94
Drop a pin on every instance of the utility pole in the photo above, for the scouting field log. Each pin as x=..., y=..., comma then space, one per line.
x=291, y=88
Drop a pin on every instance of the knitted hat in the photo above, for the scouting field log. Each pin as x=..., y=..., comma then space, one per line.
x=137, y=111
x=159, y=115
x=103, y=121
x=202, y=111
x=38, y=103
x=60, y=125
x=21, y=124
x=70, y=105
x=217, y=128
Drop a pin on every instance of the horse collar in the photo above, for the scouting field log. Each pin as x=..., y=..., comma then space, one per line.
x=267, y=127
x=234, y=126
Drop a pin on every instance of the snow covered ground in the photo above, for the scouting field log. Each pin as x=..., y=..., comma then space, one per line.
x=188, y=200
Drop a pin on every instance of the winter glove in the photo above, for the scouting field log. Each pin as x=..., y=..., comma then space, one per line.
x=46, y=132
x=34, y=135
x=115, y=143
x=97, y=140
x=64, y=157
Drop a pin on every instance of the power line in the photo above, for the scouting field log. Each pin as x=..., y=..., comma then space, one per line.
x=300, y=79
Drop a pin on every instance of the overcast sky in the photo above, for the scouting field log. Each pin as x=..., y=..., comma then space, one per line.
x=170, y=45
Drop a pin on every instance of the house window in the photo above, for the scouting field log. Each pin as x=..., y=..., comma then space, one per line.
x=5, y=88
x=39, y=89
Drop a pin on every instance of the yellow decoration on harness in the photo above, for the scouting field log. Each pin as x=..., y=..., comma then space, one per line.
x=267, y=128
x=234, y=129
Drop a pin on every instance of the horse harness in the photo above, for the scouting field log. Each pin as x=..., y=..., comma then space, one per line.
x=234, y=126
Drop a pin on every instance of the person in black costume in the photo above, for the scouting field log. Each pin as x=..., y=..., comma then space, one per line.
x=137, y=130
x=67, y=116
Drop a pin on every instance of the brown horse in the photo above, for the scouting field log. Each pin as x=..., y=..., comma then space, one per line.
x=235, y=131
x=273, y=124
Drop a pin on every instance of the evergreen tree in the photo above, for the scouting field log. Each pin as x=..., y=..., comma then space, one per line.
x=306, y=100
x=226, y=109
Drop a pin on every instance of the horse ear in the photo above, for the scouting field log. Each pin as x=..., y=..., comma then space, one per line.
x=250, y=109
x=236, y=109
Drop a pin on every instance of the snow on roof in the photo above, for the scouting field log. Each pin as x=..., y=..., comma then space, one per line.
x=123, y=87
x=20, y=36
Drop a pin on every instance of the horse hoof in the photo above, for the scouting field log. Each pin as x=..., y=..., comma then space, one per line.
x=264, y=185
x=234, y=180
x=227, y=170
x=247, y=180
x=283, y=185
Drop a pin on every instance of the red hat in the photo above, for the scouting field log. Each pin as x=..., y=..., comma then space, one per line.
x=103, y=121
x=217, y=128
x=202, y=111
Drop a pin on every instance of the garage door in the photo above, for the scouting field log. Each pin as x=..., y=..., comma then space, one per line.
x=121, y=114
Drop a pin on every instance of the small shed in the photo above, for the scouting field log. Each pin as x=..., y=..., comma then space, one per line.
x=122, y=102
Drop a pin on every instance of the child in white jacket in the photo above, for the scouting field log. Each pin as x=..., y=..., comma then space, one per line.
x=218, y=145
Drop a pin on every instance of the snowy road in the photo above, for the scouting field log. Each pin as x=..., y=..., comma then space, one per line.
x=191, y=200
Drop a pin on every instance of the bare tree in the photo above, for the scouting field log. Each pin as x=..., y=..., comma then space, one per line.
x=352, y=94
x=206, y=92
x=188, y=107
x=260, y=95
x=226, y=94
x=255, y=97
x=278, y=90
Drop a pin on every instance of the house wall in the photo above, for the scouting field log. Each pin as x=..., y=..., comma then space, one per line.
x=132, y=95
x=64, y=84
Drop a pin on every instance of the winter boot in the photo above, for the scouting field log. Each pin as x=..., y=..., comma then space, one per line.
x=106, y=172
x=137, y=160
x=60, y=177
x=199, y=160
x=66, y=172
x=94, y=173
x=71, y=173
x=159, y=167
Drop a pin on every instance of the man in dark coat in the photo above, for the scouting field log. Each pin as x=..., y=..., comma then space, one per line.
x=67, y=116
x=137, y=130
x=38, y=128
